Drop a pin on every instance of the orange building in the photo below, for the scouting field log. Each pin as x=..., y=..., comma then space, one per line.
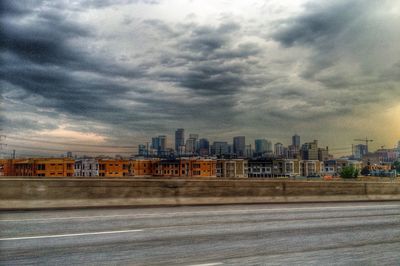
x=166, y=168
x=54, y=167
x=50, y=167
x=6, y=167
x=201, y=167
x=113, y=167
x=141, y=167
x=185, y=167
x=23, y=167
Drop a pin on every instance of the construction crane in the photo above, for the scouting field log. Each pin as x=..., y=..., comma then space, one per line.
x=366, y=142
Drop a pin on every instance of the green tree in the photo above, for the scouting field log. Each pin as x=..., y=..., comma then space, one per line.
x=349, y=172
x=396, y=165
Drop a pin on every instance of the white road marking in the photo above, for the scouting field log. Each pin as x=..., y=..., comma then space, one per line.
x=69, y=235
x=207, y=264
x=173, y=214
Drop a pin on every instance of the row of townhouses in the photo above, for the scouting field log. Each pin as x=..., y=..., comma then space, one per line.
x=180, y=167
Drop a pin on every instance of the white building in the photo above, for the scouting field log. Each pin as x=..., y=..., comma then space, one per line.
x=235, y=168
x=86, y=167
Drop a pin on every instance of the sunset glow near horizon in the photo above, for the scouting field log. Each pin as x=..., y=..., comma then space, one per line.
x=120, y=72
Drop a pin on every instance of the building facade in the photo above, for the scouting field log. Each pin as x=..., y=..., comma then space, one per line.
x=260, y=168
x=113, y=167
x=311, y=168
x=141, y=167
x=86, y=167
x=233, y=168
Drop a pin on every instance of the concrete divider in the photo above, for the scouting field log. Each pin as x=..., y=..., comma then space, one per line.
x=31, y=193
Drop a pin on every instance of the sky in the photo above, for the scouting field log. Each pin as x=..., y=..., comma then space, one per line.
x=116, y=73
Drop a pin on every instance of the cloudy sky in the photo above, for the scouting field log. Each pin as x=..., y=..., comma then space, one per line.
x=118, y=72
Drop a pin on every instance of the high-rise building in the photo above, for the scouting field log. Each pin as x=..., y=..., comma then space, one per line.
x=296, y=140
x=279, y=149
x=260, y=146
x=159, y=144
x=190, y=146
x=195, y=137
x=179, y=139
x=142, y=150
x=220, y=148
x=293, y=152
x=249, y=151
x=323, y=154
x=155, y=143
x=360, y=150
x=309, y=151
x=162, y=143
x=204, y=147
x=239, y=145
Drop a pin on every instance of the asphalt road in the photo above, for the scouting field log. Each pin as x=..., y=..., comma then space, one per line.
x=281, y=234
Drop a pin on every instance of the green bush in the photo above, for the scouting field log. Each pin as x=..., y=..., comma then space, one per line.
x=349, y=172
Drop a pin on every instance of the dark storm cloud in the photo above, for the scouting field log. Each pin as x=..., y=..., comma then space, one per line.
x=39, y=58
x=209, y=61
x=107, y=3
x=150, y=74
x=321, y=23
x=23, y=124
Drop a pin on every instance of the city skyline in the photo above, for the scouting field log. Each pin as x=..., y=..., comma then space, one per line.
x=164, y=146
x=120, y=72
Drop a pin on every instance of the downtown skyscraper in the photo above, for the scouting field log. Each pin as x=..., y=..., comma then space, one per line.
x=179, y=140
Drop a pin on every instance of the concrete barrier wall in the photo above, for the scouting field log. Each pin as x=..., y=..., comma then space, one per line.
x=21, y=193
